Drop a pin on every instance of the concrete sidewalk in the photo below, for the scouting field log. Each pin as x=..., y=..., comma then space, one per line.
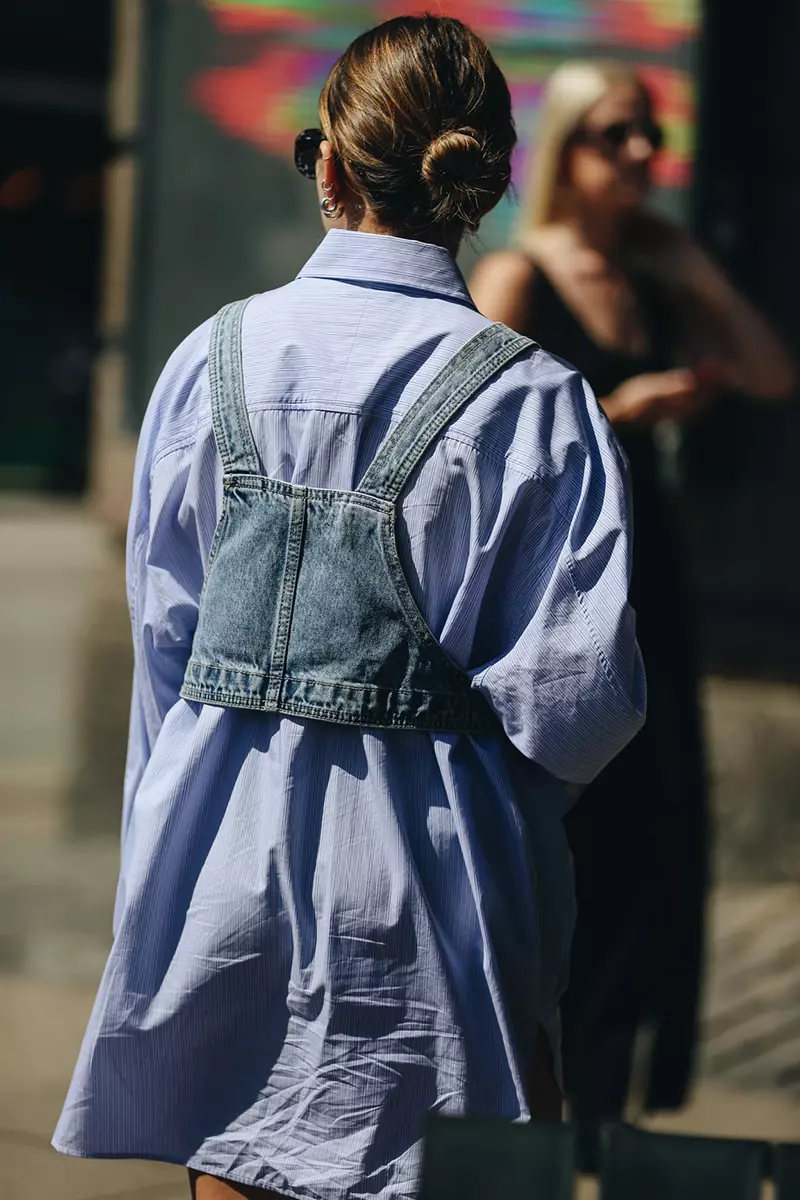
x=64, y=643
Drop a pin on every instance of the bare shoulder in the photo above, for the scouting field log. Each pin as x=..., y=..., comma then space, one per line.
x=509, y=267
x=501, y=285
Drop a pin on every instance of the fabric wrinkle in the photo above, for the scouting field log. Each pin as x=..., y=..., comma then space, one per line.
x=324, y=930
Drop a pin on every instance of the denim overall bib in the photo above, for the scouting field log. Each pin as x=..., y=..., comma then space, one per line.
x=305, y=608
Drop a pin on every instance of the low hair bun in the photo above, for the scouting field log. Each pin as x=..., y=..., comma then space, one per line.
x=462, y=176
x=419, y=116
x=453, y=157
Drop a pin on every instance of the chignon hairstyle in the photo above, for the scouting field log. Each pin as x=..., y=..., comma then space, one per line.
x=419, y=117
x=573, y=89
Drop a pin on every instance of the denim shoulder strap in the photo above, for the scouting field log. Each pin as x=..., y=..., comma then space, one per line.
x=232, y=431
x=475, y=364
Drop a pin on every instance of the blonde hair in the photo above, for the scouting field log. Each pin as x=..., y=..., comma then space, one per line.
x=572, y=90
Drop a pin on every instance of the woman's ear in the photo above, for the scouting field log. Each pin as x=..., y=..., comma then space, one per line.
x=327, y=174
x=330, y=187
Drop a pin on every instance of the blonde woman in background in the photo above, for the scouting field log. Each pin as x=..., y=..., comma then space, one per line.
x=639, y=309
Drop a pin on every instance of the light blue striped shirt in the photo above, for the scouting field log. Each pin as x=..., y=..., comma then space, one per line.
x=323, y=932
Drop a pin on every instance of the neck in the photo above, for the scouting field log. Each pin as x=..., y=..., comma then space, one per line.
x=600, y=231
x=363, y=220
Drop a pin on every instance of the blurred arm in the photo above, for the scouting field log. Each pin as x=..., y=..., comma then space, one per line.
x=755, y=358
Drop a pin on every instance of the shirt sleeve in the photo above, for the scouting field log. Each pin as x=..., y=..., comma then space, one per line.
x=169, y=530
x=565, y=674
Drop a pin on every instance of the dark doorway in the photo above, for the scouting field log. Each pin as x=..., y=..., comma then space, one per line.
x=742, y=461
x=54, y=67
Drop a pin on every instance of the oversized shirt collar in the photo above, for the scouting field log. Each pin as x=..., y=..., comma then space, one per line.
x=378, y=259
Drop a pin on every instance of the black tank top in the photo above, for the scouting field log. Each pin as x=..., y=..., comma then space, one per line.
x=658, y=579
x=560, y=332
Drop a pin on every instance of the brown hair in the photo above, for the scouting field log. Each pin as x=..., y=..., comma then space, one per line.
x=419, y=116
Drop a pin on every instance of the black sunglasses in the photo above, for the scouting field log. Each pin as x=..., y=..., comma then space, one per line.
x=611, y=140
x=306, y=149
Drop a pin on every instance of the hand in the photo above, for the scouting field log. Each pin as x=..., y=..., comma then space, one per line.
x=757, y=362
x=646, y=399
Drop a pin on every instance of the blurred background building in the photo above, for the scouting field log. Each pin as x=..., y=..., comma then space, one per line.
x=145, y=179
x=55, y=61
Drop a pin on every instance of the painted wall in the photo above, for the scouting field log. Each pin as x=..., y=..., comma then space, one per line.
x=230, y=82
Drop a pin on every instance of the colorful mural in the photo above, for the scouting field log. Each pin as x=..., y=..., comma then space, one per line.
x=277, y=52
x=232, y=81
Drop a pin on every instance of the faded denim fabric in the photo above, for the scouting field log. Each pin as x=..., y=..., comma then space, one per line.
x=306, y=609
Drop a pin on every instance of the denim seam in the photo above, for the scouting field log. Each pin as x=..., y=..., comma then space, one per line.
x=406, y=598
x=413, y=426
x=232, y=431
x=219, y=533
x=223, y=699
x=453, y=704
x=216, y=542
x=217, y=398
x=291, y=570
x=307, y=708
x=210, y=666
x=415, y=433
x=373, y=687
x=434, y=426
x=264, y=483
x=247, y=446
x=317, y=679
